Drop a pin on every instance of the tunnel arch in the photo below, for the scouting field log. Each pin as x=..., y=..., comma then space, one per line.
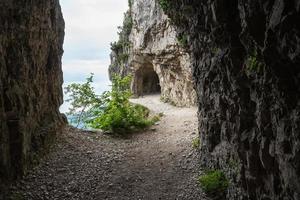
x=146, y=81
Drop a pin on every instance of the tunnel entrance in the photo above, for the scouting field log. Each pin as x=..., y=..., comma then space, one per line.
x=146, y=81
x=150, y=82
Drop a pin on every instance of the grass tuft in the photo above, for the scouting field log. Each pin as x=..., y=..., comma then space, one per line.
x=214, y=182
x=196, y=143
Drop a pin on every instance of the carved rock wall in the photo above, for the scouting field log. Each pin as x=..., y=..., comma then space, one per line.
x=246, y=60
x=31, y=39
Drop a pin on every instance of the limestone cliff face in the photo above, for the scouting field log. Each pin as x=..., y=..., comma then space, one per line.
x=246, y=60
x=31, y=38
x=157, y=57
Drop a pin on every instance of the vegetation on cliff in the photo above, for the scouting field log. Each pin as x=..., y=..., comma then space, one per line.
x=121, y=48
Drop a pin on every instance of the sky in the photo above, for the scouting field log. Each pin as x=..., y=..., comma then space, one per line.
x=91, y=25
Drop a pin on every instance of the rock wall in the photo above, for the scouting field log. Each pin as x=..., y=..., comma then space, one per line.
x=31, y=38
x=246, y=61
x=156, y=49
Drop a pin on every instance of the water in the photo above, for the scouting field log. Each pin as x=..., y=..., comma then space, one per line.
x=72, y=119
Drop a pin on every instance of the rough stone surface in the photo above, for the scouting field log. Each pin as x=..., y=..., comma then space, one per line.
x=157, y=60
x=31, y=38
x=246, y=60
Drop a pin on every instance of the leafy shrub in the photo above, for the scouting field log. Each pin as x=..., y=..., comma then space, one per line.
x=84, y=100
x=111, y=112
x=214, y=182
x=116, y=46
x=196, y=143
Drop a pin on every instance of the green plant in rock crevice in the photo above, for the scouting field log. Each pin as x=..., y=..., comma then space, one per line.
x=253, y=64
x=164, y=4
x=214, y=182
x=196, y=143
x=182, y=40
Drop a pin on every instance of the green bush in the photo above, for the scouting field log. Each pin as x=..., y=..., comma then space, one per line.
x=116, y=46
x=214, y=182
x=111, y=112
x=83, y=100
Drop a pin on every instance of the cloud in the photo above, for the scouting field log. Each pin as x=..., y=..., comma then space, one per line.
x=91, y=25
x=79, y=70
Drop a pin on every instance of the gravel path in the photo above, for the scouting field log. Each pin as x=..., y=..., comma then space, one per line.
x=157, y=164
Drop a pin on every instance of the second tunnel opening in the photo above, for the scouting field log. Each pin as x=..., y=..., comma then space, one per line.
x=147, y=81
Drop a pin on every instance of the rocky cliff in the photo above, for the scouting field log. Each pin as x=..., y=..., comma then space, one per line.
x=154, y=53
x=31, y=38
x=246, y=61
